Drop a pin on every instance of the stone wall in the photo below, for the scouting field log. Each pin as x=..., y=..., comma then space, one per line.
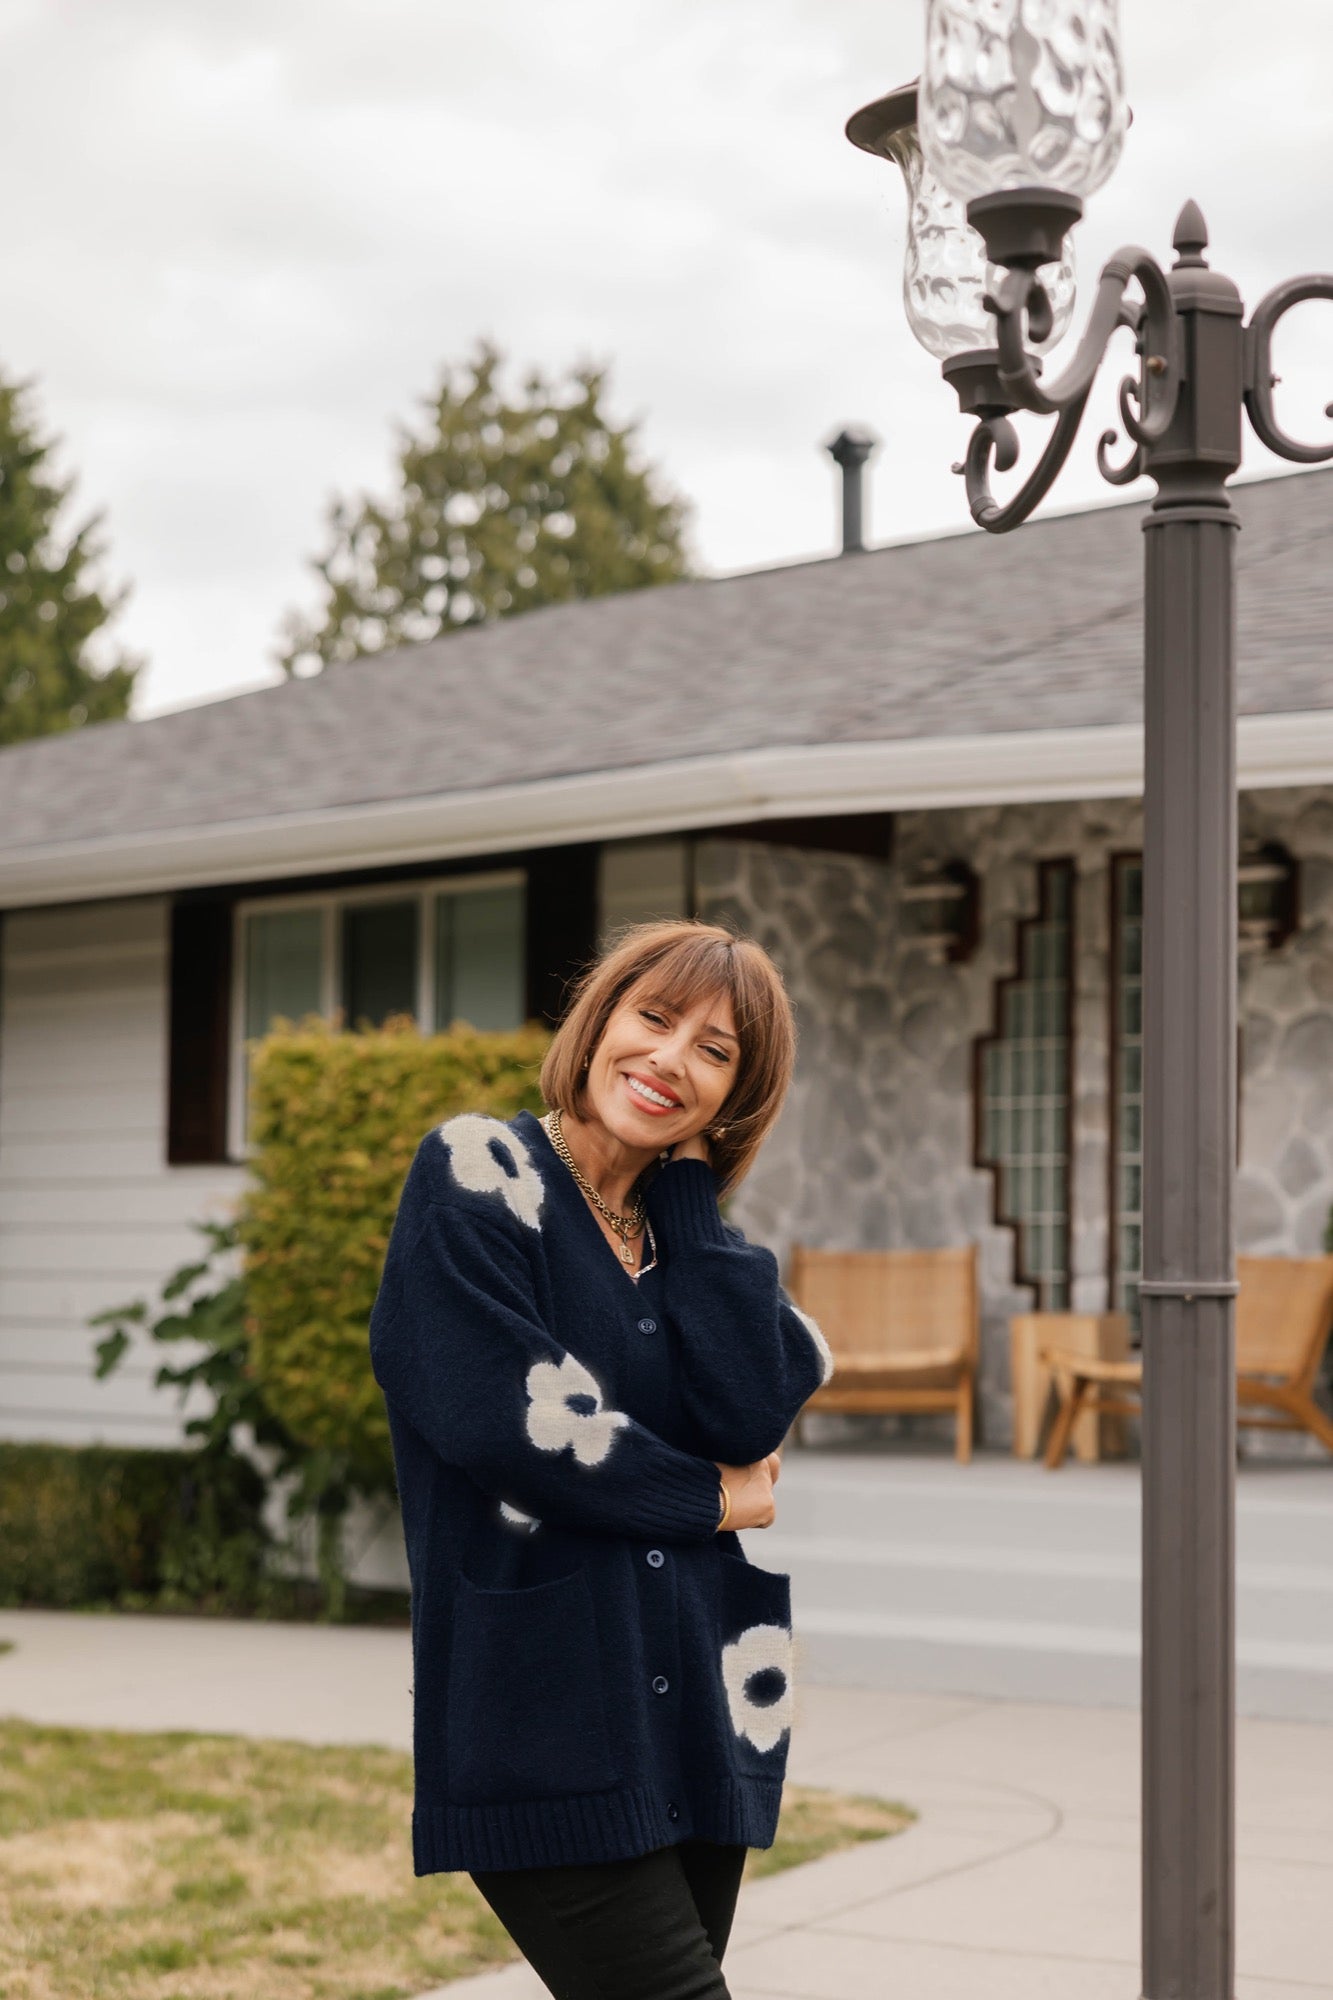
x=874, y=1148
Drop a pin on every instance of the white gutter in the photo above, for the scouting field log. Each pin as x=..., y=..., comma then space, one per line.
x=904, y=775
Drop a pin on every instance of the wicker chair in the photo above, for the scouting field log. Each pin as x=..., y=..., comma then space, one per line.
x=903, y=1327
x=1284, y=1311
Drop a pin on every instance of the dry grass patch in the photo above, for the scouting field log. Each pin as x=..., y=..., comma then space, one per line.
x=183, y=1867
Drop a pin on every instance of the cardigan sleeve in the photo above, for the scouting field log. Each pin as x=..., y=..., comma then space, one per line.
x=751, y=1359
x=460, y=1347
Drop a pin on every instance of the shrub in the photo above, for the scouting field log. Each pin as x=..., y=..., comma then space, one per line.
x=335, y=1119
x=103, y=1523
x=202, y=1307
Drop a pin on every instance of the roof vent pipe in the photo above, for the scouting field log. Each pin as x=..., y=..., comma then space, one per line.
x=850, y=449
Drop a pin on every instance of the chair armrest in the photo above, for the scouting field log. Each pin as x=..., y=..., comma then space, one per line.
x=1090, y=1369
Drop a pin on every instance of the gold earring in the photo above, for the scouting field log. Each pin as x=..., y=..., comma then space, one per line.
x=719, y=1131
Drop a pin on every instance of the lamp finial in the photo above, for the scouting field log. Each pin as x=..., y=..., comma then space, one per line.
x=1191, y=237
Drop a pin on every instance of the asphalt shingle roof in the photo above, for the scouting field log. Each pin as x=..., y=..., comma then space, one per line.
x=963, y=635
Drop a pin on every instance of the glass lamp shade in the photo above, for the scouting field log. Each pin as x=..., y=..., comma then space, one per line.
x=945, y=273
x=1022, y=93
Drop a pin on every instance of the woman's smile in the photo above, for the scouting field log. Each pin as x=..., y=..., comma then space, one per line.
x=654, y=1098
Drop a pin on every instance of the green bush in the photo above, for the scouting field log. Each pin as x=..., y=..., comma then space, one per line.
x=101, y=1524
x=335, y=1119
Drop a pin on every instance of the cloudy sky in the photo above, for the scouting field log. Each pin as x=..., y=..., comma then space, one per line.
x=242, y=236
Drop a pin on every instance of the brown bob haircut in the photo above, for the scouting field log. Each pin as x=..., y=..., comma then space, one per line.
x=680, y=962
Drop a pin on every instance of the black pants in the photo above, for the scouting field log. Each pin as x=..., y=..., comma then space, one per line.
x=652, y=1928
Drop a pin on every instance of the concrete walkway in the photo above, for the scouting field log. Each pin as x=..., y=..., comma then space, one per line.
x=1020, y=1879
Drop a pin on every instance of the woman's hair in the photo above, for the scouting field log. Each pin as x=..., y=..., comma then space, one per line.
x=680, y=962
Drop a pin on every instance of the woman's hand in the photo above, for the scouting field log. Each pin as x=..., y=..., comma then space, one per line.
x=751, y=1490
x=693, y=1148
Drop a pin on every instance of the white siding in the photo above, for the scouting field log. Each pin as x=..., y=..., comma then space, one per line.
x=90, y=1214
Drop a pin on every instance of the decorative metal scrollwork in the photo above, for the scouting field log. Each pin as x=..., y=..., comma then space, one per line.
x=995, y=442
x=1147, y=400
x=1260, y=379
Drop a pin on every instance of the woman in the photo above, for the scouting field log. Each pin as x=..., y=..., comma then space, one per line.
x=588, y=1375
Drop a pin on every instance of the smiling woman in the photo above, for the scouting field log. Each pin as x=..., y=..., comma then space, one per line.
x=603, y=1680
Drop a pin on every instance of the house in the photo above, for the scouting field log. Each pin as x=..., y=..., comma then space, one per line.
x=913, y=773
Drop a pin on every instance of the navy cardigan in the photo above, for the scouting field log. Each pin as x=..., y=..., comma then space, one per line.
x=598, y=1670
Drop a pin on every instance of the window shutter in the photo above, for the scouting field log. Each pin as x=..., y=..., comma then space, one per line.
x=200, y=1032
x=561, y=924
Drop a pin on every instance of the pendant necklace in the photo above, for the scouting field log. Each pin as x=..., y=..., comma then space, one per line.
x=626, y=1226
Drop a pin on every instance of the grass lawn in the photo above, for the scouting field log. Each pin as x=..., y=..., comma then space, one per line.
x=184, y=1867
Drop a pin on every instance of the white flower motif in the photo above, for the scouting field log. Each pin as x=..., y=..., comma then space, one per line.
x=473, y=1140
x=766, y=1650
x=816, y=1334
x=516, y=1516
x=553, y=1424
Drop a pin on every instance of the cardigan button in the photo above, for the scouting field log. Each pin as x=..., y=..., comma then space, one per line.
x=673, y=1810
x=656, y=1558
x=647, y=1326
x=660, y=1684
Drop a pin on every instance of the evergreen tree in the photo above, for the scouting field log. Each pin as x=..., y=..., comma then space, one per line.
x=49, y=610
x=502, y=504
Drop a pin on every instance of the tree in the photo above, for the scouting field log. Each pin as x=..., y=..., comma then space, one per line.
x=501, y=505
x=50, y=611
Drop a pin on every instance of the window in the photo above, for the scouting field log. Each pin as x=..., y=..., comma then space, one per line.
x=1126, y=1083
x=284, y=972
x=380, y=960
x=1024, y=1089
x=643, y=879
x=479, y=971
x=442, y=952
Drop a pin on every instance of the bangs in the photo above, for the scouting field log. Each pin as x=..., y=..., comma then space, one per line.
x=693, y=970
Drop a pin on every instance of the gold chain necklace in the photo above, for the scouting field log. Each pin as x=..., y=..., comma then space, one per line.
x=625, y=1226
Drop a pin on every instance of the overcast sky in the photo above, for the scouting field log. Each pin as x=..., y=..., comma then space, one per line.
x=241, y=236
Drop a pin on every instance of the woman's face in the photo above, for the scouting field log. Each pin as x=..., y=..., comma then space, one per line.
x=659, y=1075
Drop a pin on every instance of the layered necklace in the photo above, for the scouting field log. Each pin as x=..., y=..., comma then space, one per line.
x=626, y=1227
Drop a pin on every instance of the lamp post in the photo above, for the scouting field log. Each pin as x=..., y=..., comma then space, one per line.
x=1020, y=113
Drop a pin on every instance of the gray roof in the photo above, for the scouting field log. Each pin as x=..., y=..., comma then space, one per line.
x=961, y=635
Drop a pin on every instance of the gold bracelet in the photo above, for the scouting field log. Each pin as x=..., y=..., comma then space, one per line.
x=726, y=1507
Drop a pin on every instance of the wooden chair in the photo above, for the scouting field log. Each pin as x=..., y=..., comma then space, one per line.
x=1283, y=1314
x=1033, y=1338
x=903, y=1327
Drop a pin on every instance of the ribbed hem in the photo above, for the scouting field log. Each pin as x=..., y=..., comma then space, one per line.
x=597, y=1826
x=682, y=1202
x=683, y=1501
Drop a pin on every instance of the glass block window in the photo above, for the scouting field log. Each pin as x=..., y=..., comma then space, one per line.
x=1024, y=1092
x=441, y=952
x=1126, y=1083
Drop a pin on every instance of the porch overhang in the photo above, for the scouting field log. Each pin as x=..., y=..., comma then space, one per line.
x=911, y=774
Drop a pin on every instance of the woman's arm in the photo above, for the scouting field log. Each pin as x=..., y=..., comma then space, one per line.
x=460, y=1345
x=751, y=1359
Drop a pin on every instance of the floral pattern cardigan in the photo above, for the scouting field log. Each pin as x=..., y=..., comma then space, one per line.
x=598, y=1670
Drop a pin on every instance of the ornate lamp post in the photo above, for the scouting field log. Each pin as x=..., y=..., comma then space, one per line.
x=1020, y=113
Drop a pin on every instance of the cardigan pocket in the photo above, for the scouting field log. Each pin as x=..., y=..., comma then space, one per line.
x=526, y=1709
x=757, y=1663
